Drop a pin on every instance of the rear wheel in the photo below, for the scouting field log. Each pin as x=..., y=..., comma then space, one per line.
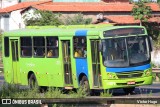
x=129, y=90
x=34, y=85
x=85, y=85
x=33, y=82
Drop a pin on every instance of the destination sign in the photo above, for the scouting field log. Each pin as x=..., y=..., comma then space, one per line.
x=123, y=32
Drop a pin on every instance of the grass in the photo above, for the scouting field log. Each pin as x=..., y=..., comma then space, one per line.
x=106, y=93
x=150, y=93
x=13, y=91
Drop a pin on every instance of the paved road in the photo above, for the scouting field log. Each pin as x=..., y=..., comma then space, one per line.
x=142, y=91
x=149, y=90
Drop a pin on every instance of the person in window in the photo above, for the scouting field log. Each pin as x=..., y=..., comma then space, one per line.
x=78, y=53
x=50, y=53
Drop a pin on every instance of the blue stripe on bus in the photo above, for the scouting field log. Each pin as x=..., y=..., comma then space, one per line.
x=81, y=33
x=128, y=69
x=81, y=63
x=81, y=66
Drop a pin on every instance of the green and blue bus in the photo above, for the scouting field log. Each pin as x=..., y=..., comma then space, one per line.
x=96, y=57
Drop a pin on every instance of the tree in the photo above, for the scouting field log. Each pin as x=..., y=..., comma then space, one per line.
x=141, y=11
x=77, y=19
x=41, y=18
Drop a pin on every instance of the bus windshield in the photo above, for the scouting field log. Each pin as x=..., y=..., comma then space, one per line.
x=124, y=52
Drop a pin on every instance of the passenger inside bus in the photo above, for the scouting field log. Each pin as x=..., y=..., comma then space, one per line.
x=50, y=53
x=78, y=53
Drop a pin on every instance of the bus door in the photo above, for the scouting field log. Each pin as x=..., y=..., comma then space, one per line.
x=95, y=54
x=66, y=52
x=15, y=60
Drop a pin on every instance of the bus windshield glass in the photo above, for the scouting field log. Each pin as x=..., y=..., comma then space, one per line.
x=124, y=52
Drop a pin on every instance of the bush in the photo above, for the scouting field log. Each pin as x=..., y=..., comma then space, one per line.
x=77, y=19
x=106, y=93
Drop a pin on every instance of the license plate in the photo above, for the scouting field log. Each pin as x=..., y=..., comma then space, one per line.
x=131, y=82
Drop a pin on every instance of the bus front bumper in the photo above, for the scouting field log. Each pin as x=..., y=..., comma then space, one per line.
x=125, y=83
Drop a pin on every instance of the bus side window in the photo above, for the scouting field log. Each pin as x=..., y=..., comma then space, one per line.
x=39, y=46
x=26, y=46
x=80, y=47
x=6, y=47
x=52, y=46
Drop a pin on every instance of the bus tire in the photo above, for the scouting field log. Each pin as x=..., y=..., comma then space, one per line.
x=85, y=85
x=33, y=82
x=129, y=90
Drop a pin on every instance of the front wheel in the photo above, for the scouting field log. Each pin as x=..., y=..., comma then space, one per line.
x=85, y=85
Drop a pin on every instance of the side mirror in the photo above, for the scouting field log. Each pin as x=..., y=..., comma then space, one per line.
x=150, y=43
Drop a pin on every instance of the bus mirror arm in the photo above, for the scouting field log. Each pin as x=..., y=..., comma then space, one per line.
x=150, y=44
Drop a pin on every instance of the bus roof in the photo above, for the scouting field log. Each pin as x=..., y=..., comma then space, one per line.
x=71, y=30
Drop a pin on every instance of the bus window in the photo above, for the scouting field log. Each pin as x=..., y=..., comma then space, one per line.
x=6, y=46
x=39, y=46
x=80, y=47
x=52, y=46
x=26, y=46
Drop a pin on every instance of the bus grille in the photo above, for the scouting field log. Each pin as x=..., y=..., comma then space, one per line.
x=133, y=74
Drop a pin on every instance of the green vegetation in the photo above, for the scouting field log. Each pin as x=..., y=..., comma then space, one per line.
x=0, y=42
x=157, y=41
x=154, y=76
x=78, y=19
x=43, y=18
x=106, y=93
x=145, y=1
x=141, y=11
x=154, y=32
x=154, y=66
x=150, y=93
x=13, y=91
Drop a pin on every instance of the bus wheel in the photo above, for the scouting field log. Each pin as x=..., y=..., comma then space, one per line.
x=85, y=85
x=129, y=90
x=33, y=82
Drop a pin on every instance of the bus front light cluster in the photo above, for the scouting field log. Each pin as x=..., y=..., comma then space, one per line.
x=148, y=72
x=111, y=76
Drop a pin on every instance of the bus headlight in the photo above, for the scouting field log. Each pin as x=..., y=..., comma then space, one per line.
x=148, y=72
x=111, y=76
